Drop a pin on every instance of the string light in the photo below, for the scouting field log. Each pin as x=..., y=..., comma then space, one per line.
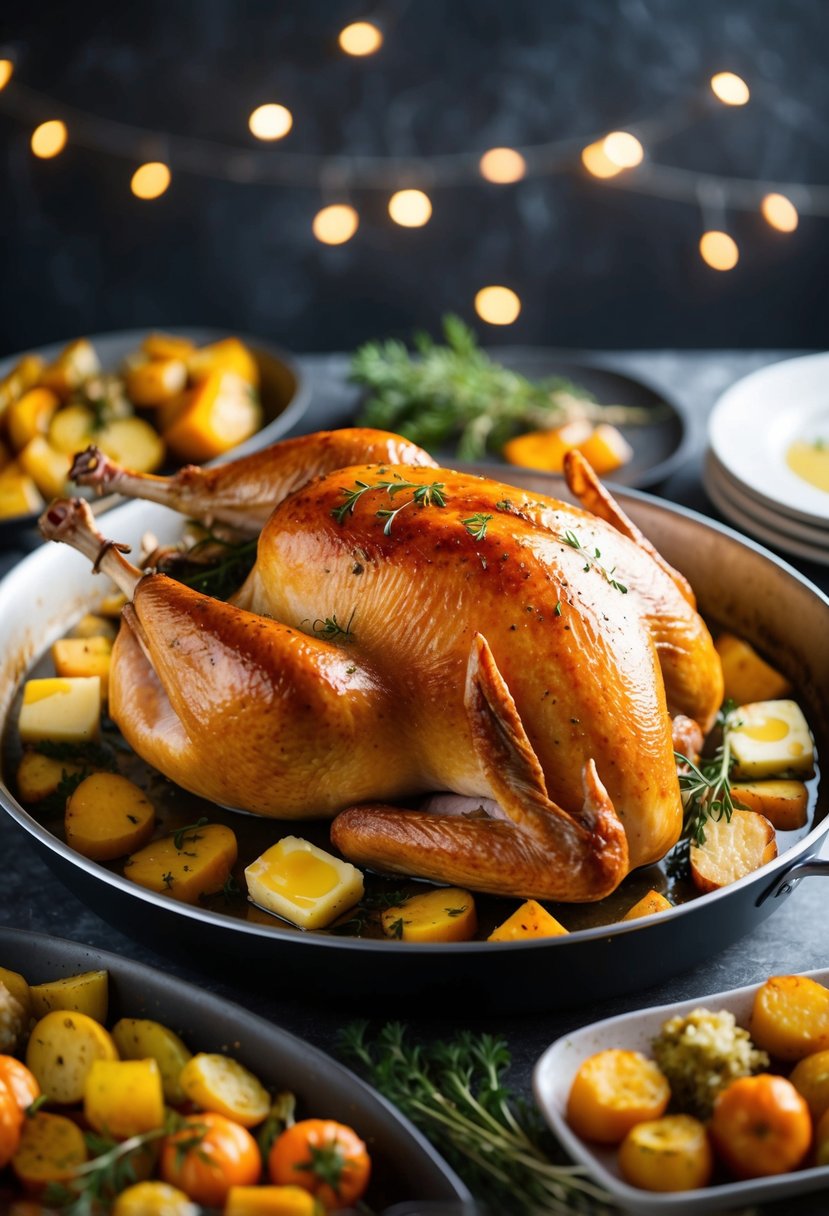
x=596, y=161
x=502, y=165
x=6, y=72
x=730, y=89
x=780, y=212
x=336, y=224
x=360, y=38
x=623, y=149
x=49, y=139
x=150, y=180
x=410, y=208
x=718, y=250
x=271, y=121
x=497, y=305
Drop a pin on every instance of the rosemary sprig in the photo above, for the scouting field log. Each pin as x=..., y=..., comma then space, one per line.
x=455, y=1092
x=330, y=628
x=455, y=394
x=706, y=786
x=190, y=831
x=592, y=558
x=94, y=1185
x=422, y=496
x=477, y=525
x=215, y=565
x=366, y=911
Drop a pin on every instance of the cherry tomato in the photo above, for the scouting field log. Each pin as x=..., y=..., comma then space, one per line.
x=326, y=1158
x=11, y=1121
x=207, y=1156
x=761, y=1126
x=22, y=1083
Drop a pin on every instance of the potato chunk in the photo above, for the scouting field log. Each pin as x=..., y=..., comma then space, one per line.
x=87, y=993
x=530, y=920
x=446, y=914
x=62, y=1048
x=39, y=776
x=790, y=1017
x=770, y=739
x=218, y=413
x=613, y=1091
x=303, y=884
x=30, y=416
x=732, y=849
x=215, y=1082
x=746, y=676
x=141, y=1039
x=18, y=493
x=784, y=803
x=667, y=1154
x=63, y=710
x=648, y=905
x=84, y=657
x=108, y=816
x=47, y=467
x=50, y=1150
x=190, y=863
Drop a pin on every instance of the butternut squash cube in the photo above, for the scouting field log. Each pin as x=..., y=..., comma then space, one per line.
x=285, y=1200
x=47, y=467
x=167, y=346
x=784, y=803
x=124, y=1098
x=65, y=710
x=18, y=493
x=219, y=412
x=528, y=921
x=30, y=415
x=648, y=905
x=606, y=449
x=227, y=355
x=84, y=657
x=547, y=449
x=142, y=1039
x=108, y=816
x=770, y=739
x=747, y=677
x=303, y=884
x=447, y=914
x=76, y=363
x=39, y=776
x=187, y=864
x=156, y=381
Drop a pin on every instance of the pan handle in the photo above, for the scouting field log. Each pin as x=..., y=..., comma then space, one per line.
x=788, y=880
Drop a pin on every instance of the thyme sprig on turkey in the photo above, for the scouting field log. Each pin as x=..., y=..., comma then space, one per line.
x=455, y=1093
x=422, y=496
x=456, y=395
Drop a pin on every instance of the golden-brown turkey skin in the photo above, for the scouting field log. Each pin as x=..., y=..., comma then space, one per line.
x=575, y=651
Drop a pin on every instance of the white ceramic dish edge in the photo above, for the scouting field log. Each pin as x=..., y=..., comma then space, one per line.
x=553, y=1076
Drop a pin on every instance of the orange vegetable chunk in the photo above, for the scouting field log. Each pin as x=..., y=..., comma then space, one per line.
x=790, y=1017
x=51, y=1147
x=648, y=905
x=612, y=1092
x=761, y=1126
x=668, y=1154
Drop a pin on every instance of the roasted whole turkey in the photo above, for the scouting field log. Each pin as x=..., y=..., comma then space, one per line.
x=521, y=666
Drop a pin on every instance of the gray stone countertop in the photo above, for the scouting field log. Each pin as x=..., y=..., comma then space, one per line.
x=795, y=938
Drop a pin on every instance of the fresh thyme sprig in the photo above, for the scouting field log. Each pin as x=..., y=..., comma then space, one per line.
x=477, y=525
x=190, y=831
x=455, y=1093
x=422, y=496
x=214, y=565
x=330, y=628
x=592, y=558
x=706, y=786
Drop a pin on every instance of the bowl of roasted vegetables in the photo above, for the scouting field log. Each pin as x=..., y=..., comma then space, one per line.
x=149, y=399
x=703, y=1105
x=125, y=1090
x=126, y=827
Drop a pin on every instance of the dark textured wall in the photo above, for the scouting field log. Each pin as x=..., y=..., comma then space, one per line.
x=594, y=266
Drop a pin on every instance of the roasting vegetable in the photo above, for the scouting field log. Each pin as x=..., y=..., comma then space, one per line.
x=15, y=1009
x=272, y=1201
x=62, y=1048
x=530, y=920
x=29, y=416
x=11, y=1121
x=667, y=1154
x=141, y=1038
x=612, y=1091
x=648, y=905
x=746, y=676
x=217, y=1083
x=302, y=883
x=51, y=1148
x=76, y=363
x=790, y=1017
x=124, y=1097
x=209, y=1155
x=108, y=816
x=217, y=414
x=733, y=848
x=784, y=803
x=60, y=709
x=547, y=449
x=19, y=1080
x=40, y=777
x=810, y=1077
x=48, y=468
x=700, y=1054
x=87, y=993
x=324, y=1157
x=761, y=1126
x=154, y=1199
x=227, y=356
x=84, y=657
x=443, y=915
x=190, y=863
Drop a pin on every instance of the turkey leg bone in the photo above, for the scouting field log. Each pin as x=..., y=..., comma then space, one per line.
x=244, y=492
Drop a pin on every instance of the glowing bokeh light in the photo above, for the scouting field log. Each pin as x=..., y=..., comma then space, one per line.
x=502, y=165
x=719, y=250
x=497, y=305
x=49, y=138
x=596, y=161
x=780, y=212
x=410, y=208
x=150, y=180
x=336, y=224
x=6, y=72
x=623, y=149
x=730, y=89
x=360, y=38
x=271, y=121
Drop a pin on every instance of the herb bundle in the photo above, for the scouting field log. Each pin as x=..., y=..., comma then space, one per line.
x=456, y=394
x=455, y=1093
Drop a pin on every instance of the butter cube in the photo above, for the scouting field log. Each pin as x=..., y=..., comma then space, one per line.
x=63, y=710
x=84, y=657
x=303, y=884
x=769, y=738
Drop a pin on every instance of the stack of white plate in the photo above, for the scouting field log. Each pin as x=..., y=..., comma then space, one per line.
x=767, y=465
